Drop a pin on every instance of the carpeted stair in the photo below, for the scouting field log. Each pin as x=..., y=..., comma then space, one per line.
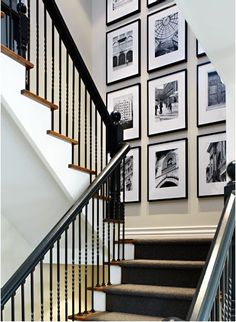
x=159, y=283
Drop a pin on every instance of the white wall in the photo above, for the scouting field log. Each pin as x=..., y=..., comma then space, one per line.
x=190, y=213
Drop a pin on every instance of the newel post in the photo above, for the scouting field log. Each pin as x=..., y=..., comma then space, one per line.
x=231, y=184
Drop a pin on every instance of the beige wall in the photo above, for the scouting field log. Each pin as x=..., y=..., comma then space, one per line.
x=190, y=212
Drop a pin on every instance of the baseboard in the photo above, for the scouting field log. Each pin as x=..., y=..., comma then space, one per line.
x=173, y=232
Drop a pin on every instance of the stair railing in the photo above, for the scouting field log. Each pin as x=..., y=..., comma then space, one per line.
x=52, y=284
x=214, y=299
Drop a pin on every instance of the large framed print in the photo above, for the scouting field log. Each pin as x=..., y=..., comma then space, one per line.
x=199, y=50
x=167, y=103
x=211, y=159
x=151, y=3
x=211, y=96
x=167, y=38
x=123, y=52
x=117, y=10
x=167, y=170
x=131, y=176
x=127, y=101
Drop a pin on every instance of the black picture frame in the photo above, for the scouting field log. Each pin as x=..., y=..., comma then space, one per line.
x=199, y=53
x=154, y=3
x=207, y=189
x=133, y=196
x=207, y=115
x=175, y=187
x=180, y=122
x=110, y=22
x=166, y=60
x=115, y=74
x=133, y=133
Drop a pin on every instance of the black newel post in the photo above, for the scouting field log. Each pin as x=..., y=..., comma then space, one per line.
x=114, y=140
x=231, y=184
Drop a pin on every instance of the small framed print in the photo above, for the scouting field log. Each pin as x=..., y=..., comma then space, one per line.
x=167, y=38
x=167, y=103
x=211, y=157
x=123, y=52
x=151, y=3
x=131, y=180
x=167, y=170
x=127, y=101
x=211, y=96
x=199, y=50
x=120, y=9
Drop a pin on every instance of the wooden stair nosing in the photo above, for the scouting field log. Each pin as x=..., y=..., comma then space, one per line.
x=114, y=221
x=97, y=288
x=10, y=53
x=2, y=14
x=101, y=197
x=82, y=317
x=62, y=137
x=79, y=168
x=39, y=99
x=125, y=241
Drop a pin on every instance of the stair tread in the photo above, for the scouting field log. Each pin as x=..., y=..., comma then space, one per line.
x=62, y=137
x=150, y=291
x=168, y=240
x=153, y=263
x=10, y=53
x=119, y=316
x=39, y=99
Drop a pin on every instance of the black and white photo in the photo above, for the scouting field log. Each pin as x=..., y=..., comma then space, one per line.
x=211, y=164
x=211, y=95
x=199, y=49
x=167, y=103
x=167, y=170
x=123, y=52
x=151, y=3
x=130, y=180
x=126, y=101
x=117, y=10
x=166, y=38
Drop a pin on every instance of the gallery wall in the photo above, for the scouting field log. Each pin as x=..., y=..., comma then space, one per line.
x=189, y=213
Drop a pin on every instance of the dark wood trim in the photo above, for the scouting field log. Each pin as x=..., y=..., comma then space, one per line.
x=114, y=221
x=39, y=99
x=82, y=317
x=8, y=52
x=77, y=167
x=62, y=137
x=124, y=241
x=100, y=197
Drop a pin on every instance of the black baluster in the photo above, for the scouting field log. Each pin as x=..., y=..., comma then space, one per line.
x=230, y=283
x=223, y=296
x=2, y=316
x=233, y=277
x=90, y=137
x=73, y=268
x=13, y=307
x=51, y=284
x=98, y=242
x=27, y=86
x=41, y=290
x=10, y=26
x=67, y=93
x=80, y=278
x=218, y=311
x=79, y=119
x=113, y=242
x=96, y=141
x=19, y=43
x=53, y=74
x=123, y=224
x=37, y=47
x=213, y=316
x=22, y=302
x=85, y=129
x=73, y=112
x=92, y=279
x=66, y=274
x=58, y=280
x=86, y=262
x=7, y=31
x=227, y=287
x=103, y=236
x=109, y=253
x=45, y=53
x=60, y=85
x=118, y=250
x=32, y=295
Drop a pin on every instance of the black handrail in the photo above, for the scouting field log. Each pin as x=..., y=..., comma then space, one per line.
x=78, y=61
x=26, y=268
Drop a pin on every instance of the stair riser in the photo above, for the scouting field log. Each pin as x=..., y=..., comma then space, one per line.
x=147, y=305
x=161, y=277
x=173, y=252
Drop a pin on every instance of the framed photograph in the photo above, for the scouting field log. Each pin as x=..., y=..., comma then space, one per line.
x=127, y=101
x=151, y=3
x=211, y=158
x=199, y=50
x=211, y=96
x=131, y=181
x=167, y=103
x=123, y=52
x=120, y=9
x=167, y=38
x=167, y=170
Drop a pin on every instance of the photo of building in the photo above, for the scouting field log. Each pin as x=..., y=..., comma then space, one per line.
x=166, y=101
x=216, y=91
x=166, y=35
x=129, y=167
x=124, y=105
x=167, y=169
x=123, y=50
x=216, y=169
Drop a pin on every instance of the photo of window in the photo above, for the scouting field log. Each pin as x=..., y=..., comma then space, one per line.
x=167, y=170
x=117, y=10
x=127, y=102
x=167, y=103
x=211, y=95
x=123, y=52
x=211, y=164
x=167, y=38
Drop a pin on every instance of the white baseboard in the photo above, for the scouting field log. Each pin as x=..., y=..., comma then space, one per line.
x=172, y=232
